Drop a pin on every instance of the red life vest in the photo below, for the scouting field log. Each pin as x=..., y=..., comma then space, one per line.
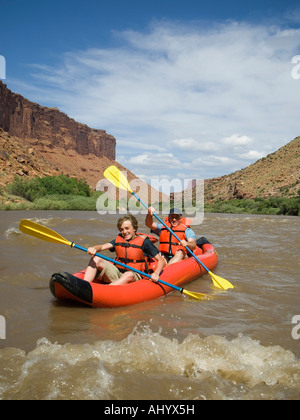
x=131, y=253
x=168, y=244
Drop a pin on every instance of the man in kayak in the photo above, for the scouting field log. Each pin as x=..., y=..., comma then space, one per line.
x=131, y=249
x=169, y=247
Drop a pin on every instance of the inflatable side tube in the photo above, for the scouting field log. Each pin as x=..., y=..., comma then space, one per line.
x=77, y=287
x=202, y=241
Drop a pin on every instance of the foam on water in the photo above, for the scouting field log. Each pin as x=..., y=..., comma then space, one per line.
x=148, y=364
x=11, y=232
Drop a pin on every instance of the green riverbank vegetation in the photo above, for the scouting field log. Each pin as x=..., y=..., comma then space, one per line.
x=49, y=193
x=259, y=205
x=66, y=193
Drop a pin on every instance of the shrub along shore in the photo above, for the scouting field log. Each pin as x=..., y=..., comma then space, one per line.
x=65, y=193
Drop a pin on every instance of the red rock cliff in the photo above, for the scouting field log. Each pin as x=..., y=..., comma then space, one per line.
x=49, y=127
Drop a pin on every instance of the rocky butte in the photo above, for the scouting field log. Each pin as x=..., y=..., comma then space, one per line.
x=48, y=127
x=68, y=146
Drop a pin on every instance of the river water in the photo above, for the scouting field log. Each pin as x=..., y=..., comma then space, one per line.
x=240, y=345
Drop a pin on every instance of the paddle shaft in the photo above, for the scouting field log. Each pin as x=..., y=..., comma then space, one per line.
x=170, y=230
x=128, y=267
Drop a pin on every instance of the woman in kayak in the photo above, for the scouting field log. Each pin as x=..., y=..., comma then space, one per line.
x=172, y=250
x=131, y=248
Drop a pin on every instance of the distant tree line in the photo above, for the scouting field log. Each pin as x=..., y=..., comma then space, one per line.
x=259, y=205
x=65, y=193
x=35, y=188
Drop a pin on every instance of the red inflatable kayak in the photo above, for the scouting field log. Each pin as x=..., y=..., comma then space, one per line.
x=73, y=287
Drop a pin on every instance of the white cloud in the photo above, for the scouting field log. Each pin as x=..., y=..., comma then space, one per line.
x=185, y=144
x=237, y=140
x=175, y=97
x=191, y=145
x=252, y=155
x=215, y=161
x=154, y=161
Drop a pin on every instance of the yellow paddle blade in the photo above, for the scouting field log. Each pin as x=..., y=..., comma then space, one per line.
x=42, y=232
x=195, y=295
x=116, y=177
x=219, y=282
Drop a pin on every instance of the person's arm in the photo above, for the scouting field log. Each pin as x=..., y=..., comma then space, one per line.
x=150, y=250
x=190, y=243
x=98, y=248
x=190, y=240
x=160, y=265
x=149, y=219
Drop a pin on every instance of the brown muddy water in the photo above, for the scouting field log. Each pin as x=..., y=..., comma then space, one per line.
x=241, y=345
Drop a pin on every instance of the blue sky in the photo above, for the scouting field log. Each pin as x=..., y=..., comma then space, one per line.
x=190, y=89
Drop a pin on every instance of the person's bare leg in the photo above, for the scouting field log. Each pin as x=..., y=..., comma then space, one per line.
x=179, y=256
x=96, y=264
x=126, y=278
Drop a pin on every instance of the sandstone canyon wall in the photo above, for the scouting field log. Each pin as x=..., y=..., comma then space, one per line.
x=48, y=127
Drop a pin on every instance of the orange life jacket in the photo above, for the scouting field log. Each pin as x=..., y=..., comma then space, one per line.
x=168, y=244
x=131, y=253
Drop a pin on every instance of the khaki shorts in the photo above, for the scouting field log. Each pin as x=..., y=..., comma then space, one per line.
x=113, y=273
